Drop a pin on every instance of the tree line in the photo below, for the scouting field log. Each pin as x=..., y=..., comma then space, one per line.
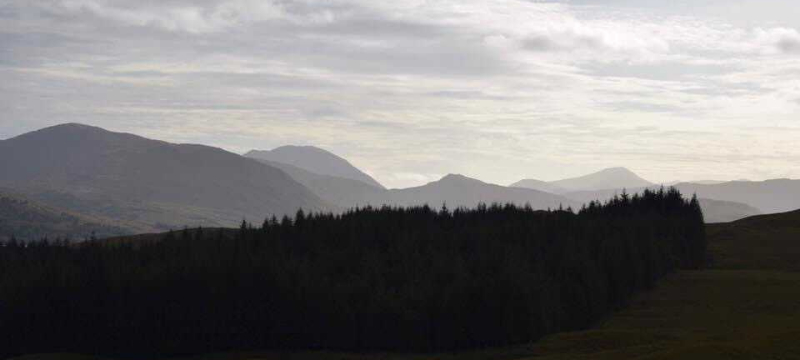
x=399, y=279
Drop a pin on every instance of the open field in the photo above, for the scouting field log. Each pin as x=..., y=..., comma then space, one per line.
x=747, y=306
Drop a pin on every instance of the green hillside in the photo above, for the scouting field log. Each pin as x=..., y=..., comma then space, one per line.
x=747, y=306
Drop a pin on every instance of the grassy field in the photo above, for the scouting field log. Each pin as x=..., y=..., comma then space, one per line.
x=747, y=306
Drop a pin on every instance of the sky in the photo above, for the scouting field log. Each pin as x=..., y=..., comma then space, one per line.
x=410, y=90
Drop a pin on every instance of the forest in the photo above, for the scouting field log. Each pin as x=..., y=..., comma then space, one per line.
x=414, y=279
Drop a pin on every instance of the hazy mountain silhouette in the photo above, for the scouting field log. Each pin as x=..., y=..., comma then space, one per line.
x=153, y=183
x=770, y=196
x=342, y=192
x=27, y=220
x=458, y=190
x=612, y=178
x=539, y=185
x=315, y=160
x=717, y=211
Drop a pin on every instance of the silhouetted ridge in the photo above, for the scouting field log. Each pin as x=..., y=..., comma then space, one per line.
x=149, y=183
x=315, y=160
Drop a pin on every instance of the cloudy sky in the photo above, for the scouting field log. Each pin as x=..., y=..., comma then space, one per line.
x=411, y=90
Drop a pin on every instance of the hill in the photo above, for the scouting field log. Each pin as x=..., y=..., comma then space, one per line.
x=315, y=160
x=458, y=190
x=150, y=183
x=613, y=178
x=453, y=190
x=765, y=242
x=770, y=196
x=717, y=211
x=539, y=185
x=27, y=220
x=342, y=192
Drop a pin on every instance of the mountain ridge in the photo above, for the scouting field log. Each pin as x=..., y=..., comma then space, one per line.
x=151, y=182
x=316, y=160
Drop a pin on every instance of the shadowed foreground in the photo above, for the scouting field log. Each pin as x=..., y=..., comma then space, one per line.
x=733, y=311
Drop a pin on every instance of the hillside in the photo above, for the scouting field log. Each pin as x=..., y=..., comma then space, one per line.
x=613, y=178
x=770, y=196
x=538, y=185
x=150, y=183
x=27, y=220
x=717, y=211
x=765, y=242
x=458, y=190
x=342, y=192
x=315, y=160
x=743, y=307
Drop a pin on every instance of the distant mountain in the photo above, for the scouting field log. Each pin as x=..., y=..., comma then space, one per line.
x=27, y=220
x=771, y=196
x=539, y=185
x=342, y=192
x=315, y=160
x=146, y=182
x=613, y=178
x=458, y=190
x=717, y=211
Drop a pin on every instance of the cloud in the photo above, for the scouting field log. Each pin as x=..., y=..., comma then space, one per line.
x=411, y=89
x=778, y=40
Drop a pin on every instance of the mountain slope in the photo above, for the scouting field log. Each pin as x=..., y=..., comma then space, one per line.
x=341, y=192
x=717, y=211
x=771, y=196
x=458, y=190
x=149, y=182
x=540, y=185
x=315, y=160
x=759, y=242
x=613, y=178
x=27, y=220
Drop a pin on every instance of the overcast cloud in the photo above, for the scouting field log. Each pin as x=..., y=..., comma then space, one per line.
x=411, y=90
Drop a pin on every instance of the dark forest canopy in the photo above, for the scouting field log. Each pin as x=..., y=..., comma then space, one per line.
x=403, y=279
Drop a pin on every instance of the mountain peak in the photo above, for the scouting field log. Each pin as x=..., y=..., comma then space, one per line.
x=617, y=170
x=315, y=160
x=610, y=178
x=458, y=179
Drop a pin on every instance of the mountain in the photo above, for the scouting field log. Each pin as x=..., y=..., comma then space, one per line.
x=539, y=185
x=613, y=178
x=341, y=192
x=27, y=220
x=150, y=183
x=770, y=196
x=315, y=160
x=458, y=190
x=717, y=211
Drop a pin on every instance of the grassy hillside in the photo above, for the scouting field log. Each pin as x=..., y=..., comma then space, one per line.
x=747, y=306
x=28, y=220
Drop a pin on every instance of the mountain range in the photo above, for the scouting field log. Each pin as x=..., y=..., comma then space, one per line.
x=315, y=160
x=146, y=184
x=612, y=178
x=125, y=183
